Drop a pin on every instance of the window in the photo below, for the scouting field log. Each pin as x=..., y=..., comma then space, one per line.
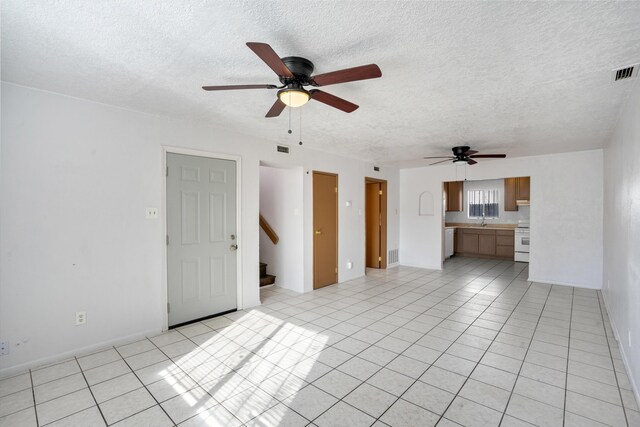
x=483, y=204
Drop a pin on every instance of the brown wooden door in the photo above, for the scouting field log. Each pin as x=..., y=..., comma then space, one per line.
x=510, y=185
x=375, y=223
x=325, y=229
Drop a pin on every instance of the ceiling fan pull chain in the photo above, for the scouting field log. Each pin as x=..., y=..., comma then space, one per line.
x=300, y=143
x=290, y=131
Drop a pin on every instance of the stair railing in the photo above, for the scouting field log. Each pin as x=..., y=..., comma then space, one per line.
x=268, y=230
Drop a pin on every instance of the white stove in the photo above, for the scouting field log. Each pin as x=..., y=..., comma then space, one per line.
x=521, y=244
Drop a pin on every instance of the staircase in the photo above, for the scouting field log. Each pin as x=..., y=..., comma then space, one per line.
x=265, y=279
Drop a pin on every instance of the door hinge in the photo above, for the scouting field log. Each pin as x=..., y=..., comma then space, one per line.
x=336, y=189
x=380, y=192
x=380, y=258
x=167, y=170
x=168, y=308
x=167, y=240
x=336, y=270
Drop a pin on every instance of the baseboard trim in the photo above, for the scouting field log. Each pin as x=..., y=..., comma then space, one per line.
x=439, y=267
x=555, y=282
x=22, y=367
x=625, y=359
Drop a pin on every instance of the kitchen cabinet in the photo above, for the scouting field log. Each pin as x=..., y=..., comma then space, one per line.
x=504, y=243
x=522, y=190
x=454, y=196
x=510, y=189
x=487, y=244
x=516, y=189
x=469, y=243
x=480, y=242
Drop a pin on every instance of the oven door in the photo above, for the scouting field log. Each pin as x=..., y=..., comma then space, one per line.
x=521, y=241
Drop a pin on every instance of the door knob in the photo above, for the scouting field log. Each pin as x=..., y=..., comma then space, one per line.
x=318, y=232
x=233, y=247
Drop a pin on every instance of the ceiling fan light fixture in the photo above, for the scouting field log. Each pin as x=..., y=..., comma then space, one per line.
x=294, y=96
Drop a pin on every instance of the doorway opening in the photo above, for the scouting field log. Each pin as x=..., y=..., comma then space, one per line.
x=281, y=227
x=375, y=223
x=325, y=229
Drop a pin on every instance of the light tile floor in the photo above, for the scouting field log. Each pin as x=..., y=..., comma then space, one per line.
x=475, y=344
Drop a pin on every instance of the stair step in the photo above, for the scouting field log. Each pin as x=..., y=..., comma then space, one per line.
x=263, y=269
x=267, y=279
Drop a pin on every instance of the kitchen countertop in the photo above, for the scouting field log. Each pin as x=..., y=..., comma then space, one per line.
x=477, y=226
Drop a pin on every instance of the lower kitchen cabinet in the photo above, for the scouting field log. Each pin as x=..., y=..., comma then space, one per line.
x=484, y=243
x=487, y=244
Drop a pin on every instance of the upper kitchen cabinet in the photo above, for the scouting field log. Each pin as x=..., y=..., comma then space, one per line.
x=522, y=190
x=516, y=192
x=454, y=196
x=510, y=190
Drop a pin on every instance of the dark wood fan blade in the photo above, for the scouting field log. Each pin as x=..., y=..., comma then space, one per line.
x=470, y=152
x=441, y=161
x=471, y=162
x=234, y=87
x=333, y=101
x=270, y=57
x=440, y=157
x=276, y=109
x=488, y=156
x=363, y=72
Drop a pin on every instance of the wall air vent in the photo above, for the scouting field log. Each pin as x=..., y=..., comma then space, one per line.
x=283, y=149
x=393, y=256
x=624, y=73
x=376, y=168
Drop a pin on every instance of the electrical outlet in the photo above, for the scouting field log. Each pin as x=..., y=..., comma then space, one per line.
x=4, y=348
x=81, y=317
x=151, y=213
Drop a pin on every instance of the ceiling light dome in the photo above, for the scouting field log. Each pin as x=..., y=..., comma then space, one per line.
x=294, y=96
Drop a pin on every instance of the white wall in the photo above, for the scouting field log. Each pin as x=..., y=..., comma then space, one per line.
x=622, y=233
x=281, y=205
x=504, y=217
x=76, y=177
x=566, y=214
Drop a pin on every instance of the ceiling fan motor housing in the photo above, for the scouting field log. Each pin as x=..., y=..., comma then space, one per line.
x=460, y=151
x=301, y=68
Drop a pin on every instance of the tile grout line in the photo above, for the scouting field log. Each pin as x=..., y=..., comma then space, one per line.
x=33, y=394
x=483, y=354
x=453, y=293
x=389, y=314
x=445, y=350
x=91, y=391
x=566, y=378
x=525, y=356
x=143, y=386
x=615, y=374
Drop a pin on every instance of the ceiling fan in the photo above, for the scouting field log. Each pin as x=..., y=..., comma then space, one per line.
x=464, y=154
x=294, y=73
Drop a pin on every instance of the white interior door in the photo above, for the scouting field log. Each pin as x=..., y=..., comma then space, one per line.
x=201, y=229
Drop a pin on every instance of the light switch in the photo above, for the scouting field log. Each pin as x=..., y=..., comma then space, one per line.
x=151, y=213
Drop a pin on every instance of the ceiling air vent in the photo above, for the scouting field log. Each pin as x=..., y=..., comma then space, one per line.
x=625, y=72
x=283, y=149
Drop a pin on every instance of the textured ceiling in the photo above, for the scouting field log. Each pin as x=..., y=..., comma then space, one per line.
x=521, y=78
